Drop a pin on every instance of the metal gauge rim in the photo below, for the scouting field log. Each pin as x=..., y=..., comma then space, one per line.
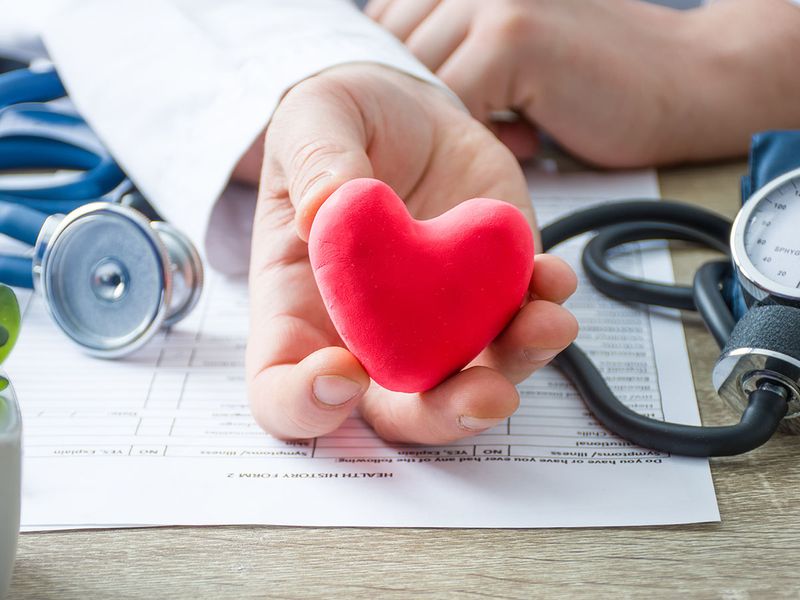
x=192, y=260
x=744, y=266
x=140, y=336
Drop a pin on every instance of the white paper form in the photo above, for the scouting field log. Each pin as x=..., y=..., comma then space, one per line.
x=166, y=438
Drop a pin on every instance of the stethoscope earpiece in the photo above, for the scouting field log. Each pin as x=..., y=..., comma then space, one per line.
x=111, y=279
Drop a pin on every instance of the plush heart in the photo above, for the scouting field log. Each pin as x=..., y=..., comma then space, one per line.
x=415, y=301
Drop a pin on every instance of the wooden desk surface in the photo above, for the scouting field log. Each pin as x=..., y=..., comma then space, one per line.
x=749, y=555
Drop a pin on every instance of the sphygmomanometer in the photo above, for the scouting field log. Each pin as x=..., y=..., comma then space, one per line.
x=750, y=302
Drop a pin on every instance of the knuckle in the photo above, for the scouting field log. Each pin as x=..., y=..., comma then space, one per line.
x=310, y=154
x=505, y=399
x=515, y=22
x=560, y=327
x=312, y=162
x=307, y=170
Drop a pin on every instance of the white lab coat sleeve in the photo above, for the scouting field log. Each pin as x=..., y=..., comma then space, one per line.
x=178, y=90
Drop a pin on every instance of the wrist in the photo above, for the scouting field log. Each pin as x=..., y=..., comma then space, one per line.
x=368, y=73
x=681, y=97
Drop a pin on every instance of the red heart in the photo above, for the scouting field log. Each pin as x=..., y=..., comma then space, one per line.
x=415, y=301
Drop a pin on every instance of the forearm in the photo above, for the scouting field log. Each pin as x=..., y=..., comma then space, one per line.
x=744, y=78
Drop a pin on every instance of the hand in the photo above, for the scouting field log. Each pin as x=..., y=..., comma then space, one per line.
x=370, y=121
x=619, y=83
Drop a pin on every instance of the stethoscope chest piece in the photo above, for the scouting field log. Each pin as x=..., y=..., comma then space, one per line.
x=111, y=279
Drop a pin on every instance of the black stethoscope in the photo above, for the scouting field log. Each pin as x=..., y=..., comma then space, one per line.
x=758, y=371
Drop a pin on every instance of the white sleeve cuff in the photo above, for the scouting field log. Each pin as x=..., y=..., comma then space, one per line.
x=179, y=90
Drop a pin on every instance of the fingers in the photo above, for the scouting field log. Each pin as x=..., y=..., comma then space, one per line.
x=481, y=73
x=537, y=334
x=432, y=29
x=318, y=142
x=471, y=401
x=438, y=36
x=375, y=8
x=310, y=398
x=401, y=18
x=542, y=328
x=553, y=279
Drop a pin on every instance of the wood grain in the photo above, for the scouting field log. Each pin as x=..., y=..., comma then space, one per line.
x=751, y=554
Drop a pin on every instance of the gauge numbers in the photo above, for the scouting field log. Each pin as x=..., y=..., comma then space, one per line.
x=772, y=235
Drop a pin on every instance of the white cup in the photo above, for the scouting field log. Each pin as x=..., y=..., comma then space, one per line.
x=10, y=482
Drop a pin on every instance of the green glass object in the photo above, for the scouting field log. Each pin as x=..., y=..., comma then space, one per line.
x=9, y=323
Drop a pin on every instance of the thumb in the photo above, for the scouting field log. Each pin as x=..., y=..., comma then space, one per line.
x=318, y=139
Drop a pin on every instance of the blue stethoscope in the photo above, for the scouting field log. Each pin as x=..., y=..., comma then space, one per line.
x=111, y=271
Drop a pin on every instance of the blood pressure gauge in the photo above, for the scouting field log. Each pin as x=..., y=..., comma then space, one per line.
x=765, y=242
x=765, y=345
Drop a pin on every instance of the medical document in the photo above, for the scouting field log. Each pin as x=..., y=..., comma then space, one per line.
x=166, y=438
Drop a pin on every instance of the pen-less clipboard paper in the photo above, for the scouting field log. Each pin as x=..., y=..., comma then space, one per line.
x=166, y=438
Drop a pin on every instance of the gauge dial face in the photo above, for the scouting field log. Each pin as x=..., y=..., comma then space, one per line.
x=771, y=237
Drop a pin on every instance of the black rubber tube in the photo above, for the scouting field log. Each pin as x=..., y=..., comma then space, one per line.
x=708, y=300
x=759, y=420
x=630, y=221
x=621, y=287
x=628, y=211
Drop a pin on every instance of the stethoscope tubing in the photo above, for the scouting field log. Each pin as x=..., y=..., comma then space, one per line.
x=21, y=223
x=30, y=85
x=99, y=174
x=41, y=136
x=90, y=228
x=35, y=137
x=639, y=220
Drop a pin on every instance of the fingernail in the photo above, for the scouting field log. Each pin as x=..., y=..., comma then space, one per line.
x=477, y=424
x=334, y=390
x=540, y=354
